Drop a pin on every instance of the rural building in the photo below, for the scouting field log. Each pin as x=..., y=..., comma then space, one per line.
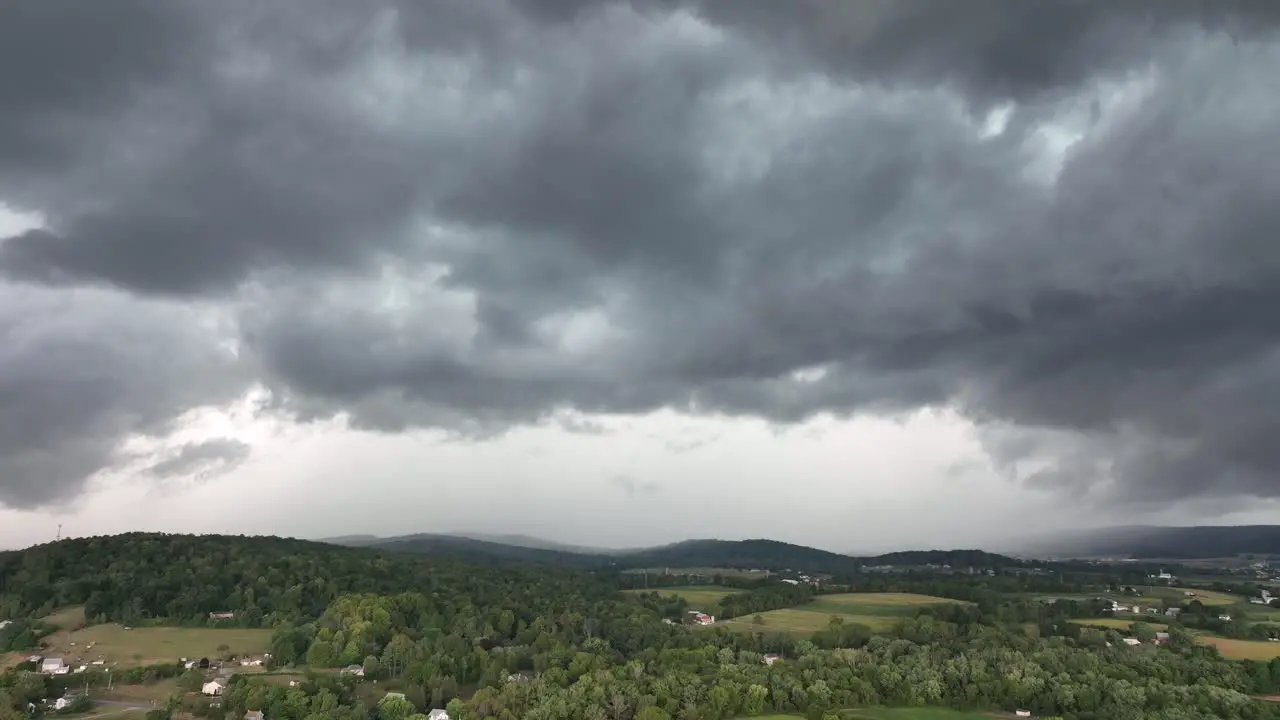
x=5, y=623
x=1172, y=612
x=519, y=677
x=54, y=666
x=250, y=662
x=437, y=715
x=1162, y=638
x=254, y=715
x=1132, y=641
x=354, y=670
x=65, y=702
x=771, y=659
x=222, y=615
x=1224, y=618
x=214, y=687
x=1022, y=713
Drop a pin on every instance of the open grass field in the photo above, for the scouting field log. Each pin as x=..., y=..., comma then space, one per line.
x=708, y=572
x=1206, y=597
x=917, y=714
x=1242, y=649
x=117, y=646
x=879, y=611
x=897, y=714
x=1114, y=623
x=699, y=597
x=148, y=645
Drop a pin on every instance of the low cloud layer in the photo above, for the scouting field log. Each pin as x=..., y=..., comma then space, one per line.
x=470, y=215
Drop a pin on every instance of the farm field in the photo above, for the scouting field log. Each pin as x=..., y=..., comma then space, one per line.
x=896, y=714
x=117, y=646
x=1241, y=649
x=879, y=611
x=149, y=645
x=708, y=572
x=917, y=714
x=1115, y=623
x=700, y=595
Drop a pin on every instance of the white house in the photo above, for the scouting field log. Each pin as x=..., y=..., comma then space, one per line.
x=771, y=659
x=1224, y=618
x=1022, y=713
x=5, y=623
x=355, y=670
x=1132, y=641
x=437, y=714
x=214, y=687
x=54, y=666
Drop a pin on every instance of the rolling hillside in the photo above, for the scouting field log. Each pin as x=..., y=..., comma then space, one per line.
x=762, y=554
x=1205, y=541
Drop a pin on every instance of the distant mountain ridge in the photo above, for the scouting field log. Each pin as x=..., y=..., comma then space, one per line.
x=763, y=554
x=1165, y=542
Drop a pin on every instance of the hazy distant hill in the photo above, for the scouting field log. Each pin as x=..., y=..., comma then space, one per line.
x=483, y=551
x=529, y=541
x=1140, y=541
x=744, y=554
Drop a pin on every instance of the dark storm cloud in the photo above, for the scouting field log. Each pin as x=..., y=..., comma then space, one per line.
x=473, y=215
x=80, y=371
x=994, y=49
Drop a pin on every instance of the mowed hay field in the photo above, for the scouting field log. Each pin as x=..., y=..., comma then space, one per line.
x=879, y=611
x=707, y=572
x=1242, y=649
x=117, y=646
x=701, y=597
x=1115, y=623
x=897, y=714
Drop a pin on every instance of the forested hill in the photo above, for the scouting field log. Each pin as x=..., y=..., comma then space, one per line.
x=1205, y=541
x=182, y=578
x=744, y=554
x=486, y=552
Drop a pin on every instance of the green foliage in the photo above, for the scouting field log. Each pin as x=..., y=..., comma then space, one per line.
x=533, y=643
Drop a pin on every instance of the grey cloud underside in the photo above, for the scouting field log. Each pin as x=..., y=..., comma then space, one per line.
x=202, y=459
x=474, y=215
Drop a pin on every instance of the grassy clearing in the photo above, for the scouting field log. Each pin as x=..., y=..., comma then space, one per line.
x=798, y=621
x=707, y=572
x=896, y=714
x=1115, y=623
x=149, y=645
x=877, y=604
x=917, y=714
x=1242, y=649
x=878, y=611
x=67, y=619
x=1206, y=597
x=699, y=595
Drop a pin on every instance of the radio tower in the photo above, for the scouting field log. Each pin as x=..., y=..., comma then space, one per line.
x=59, y=532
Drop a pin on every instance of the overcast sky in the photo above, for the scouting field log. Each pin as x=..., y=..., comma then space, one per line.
x=861, y=275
